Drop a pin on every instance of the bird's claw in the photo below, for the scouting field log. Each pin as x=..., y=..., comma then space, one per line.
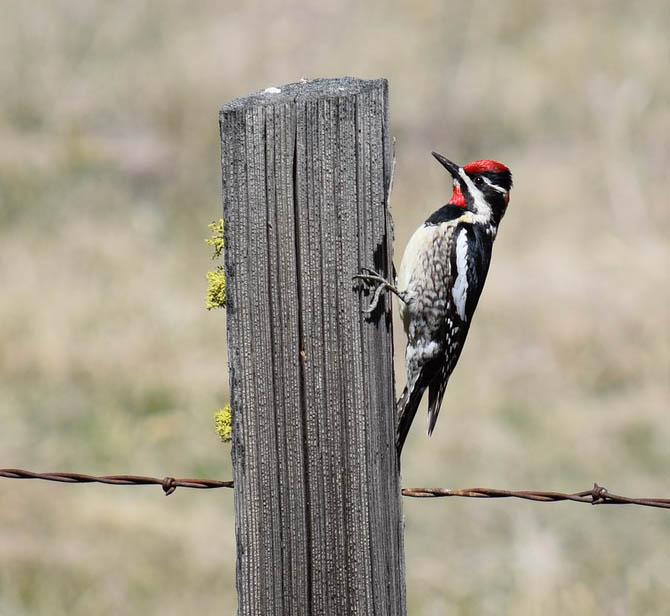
x=375, y=298
x=382, y=285
x=369, y=276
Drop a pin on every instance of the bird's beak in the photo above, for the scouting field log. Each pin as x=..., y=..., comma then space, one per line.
x=452, y=168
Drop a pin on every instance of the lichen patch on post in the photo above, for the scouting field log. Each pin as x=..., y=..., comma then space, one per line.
x=216, y=280
x=216, y=289
x=223, y=421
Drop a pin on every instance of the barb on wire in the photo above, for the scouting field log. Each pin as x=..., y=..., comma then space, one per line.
x=169, y=484
x=598, y=495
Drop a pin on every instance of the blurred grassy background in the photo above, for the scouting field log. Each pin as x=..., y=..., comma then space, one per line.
x=109, y=174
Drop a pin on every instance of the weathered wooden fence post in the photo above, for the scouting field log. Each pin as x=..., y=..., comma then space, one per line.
x=306, y=173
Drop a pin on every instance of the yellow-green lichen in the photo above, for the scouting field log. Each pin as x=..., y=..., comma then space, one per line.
x=216, y=280
x=223, y=420
x=216, y=289
x=216, y=238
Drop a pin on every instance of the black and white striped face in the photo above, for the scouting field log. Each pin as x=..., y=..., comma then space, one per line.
x=492, y=185
x=487, y=192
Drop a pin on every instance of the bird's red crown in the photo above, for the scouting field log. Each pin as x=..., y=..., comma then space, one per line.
x=485, y=166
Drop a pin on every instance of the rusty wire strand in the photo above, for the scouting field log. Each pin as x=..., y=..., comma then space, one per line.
x=169, y=484
x=598, y=495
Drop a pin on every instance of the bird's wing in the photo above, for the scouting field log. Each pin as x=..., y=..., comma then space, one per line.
x=469, y=267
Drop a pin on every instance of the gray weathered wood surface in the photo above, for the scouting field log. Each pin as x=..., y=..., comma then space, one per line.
x=306, y=174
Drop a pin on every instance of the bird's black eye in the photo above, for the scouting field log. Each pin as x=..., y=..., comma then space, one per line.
x=479, y=180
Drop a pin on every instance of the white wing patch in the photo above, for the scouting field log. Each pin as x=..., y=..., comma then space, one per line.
x=460, y=289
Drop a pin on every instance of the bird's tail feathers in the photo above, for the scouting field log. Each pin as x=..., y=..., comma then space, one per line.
x=435, y=396
x=408, y=403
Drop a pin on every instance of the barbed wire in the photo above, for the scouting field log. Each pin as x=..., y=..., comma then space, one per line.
x=598, y=495
x=169, y=484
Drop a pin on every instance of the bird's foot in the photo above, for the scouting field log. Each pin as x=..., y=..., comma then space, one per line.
x=380, y=283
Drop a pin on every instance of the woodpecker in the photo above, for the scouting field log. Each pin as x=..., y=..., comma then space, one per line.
x=440, y=280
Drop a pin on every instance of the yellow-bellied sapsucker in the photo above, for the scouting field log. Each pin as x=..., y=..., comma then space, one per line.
x=441, y=277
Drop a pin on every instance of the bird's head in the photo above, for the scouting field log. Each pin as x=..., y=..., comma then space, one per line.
x=482, y=186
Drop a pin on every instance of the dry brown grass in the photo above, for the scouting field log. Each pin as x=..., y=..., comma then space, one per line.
x=109, y=363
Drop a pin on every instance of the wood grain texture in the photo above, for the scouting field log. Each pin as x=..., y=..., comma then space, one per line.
x=306, y=175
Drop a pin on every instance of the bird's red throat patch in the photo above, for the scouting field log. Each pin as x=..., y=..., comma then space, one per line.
x=458, y=198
